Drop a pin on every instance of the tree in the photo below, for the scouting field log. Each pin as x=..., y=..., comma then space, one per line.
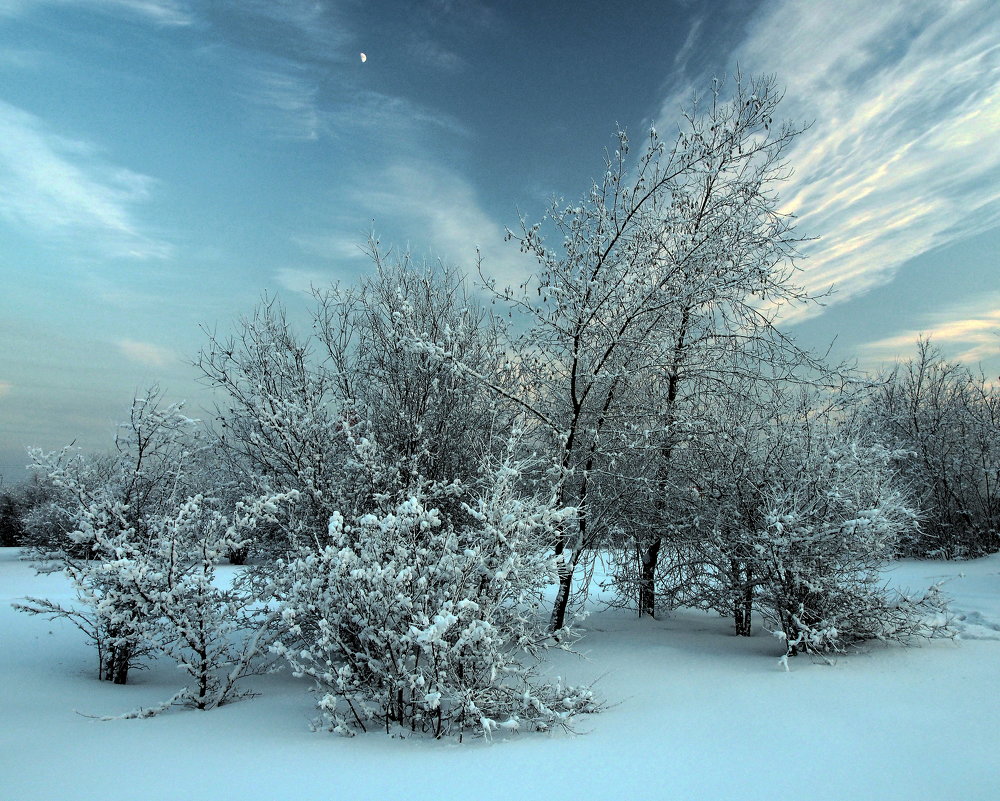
x=111, y=504
x=662, y=281
x=795, y=515
x=948, y=420
x=17, y=502
x=428, y=421
x=279, y=426
x=144, y=548
x=834, y=514
x=297, y=407
x=217, y=634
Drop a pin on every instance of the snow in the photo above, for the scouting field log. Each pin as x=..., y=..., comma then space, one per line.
x=694, y=713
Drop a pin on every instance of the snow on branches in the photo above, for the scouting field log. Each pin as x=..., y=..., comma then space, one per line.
x=145, y=559
x=407, y=620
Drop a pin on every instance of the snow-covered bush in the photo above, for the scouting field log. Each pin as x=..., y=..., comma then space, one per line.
x=107, y=610
x=112, y=503
x=407, y=620
x=791, y=513
x=143, y=559
x=216, y=634
x=833, y=520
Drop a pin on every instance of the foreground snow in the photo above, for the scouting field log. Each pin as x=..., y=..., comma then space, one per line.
x=696, y=713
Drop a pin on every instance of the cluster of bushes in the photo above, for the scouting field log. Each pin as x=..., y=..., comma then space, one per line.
x=408, y=615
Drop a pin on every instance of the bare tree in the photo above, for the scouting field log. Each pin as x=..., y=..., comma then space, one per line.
x=112, y=504
x=947, y=419
x=666, y=269
x=297, y=409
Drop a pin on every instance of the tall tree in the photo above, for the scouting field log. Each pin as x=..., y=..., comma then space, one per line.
x=666, y=276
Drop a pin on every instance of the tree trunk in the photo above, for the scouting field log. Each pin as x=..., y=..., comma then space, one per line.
x=743, y=603
x=115, y=669
x=647, y=579
x=562, y=597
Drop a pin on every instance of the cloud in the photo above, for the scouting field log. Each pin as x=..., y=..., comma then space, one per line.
x=162, y=12
x=59, y=186
x=969, y=332
x=905, y=100
x=689, y=42
x=159, y=12
x=337, y=246
x=411, y=201
x=429, y=52
x=18, y=58
x=303, y=281
x=461, y=15
x=5, y=388
x=287, y=99
x=394, y=120
x=440, y=210
x=145, y=353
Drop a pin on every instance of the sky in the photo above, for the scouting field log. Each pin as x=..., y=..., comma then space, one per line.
x=165, y=162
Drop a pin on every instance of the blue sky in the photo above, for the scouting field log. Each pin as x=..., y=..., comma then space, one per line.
x=163, y=162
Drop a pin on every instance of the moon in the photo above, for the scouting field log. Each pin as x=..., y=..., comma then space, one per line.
x=364, y=58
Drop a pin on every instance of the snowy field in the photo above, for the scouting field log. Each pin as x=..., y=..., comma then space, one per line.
x=695, y=714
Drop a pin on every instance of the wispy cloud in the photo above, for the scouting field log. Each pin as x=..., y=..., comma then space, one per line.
x=337, y=245
x=303, y=281
x=59, y=186
x=689, y=41
x=903, y=96
x=424, y=204
x=286, y=98
x=462, y=15
x=392, y=118
x=433, y=54
x=18, y=58
x=160, y=12
x=969, y=332
x=5, y=388
x=146, y=353
x=440, y=209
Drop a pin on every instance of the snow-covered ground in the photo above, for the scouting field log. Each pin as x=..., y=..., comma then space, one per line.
x=695, y=713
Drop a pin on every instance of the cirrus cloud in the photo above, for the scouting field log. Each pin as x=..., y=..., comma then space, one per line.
x=145, y=353
x=62, y=187
x=968, y=332
x=903, y=95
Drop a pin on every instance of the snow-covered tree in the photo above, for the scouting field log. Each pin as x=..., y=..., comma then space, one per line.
x=409, y=619
x=833, y=515
x=431, y=421
x=144, y=549
x=279, y=428
x=217, y=634
x=948, y=419
x=794, y=515
x=664, y=278
x=111, y=503
x=28, y=516
x=295, y=406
